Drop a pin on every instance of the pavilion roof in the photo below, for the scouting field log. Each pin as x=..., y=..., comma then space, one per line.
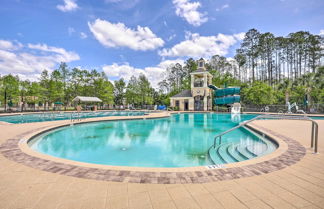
x=86, y=99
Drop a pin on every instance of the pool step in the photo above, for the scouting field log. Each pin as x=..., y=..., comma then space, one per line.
x=215, y=157
x=250, y=150
x=241, y=149
x=227, y=153
x=232, y=151
x=224, y=154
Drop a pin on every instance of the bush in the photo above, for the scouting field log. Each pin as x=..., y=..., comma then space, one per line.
x=258, y=93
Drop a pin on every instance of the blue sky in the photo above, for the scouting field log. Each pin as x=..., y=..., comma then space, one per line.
x=128, y=37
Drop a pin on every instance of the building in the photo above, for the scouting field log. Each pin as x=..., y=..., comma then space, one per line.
x=199, y=97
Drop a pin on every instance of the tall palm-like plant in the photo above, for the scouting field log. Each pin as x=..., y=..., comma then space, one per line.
x=286, y=85
x=308, y=82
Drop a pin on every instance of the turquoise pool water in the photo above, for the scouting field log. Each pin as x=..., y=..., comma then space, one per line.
x=317, y=118
x=48, y=116
x=181, y=140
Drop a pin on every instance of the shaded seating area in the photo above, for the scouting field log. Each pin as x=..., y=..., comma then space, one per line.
x=86, y=103
x=58, y=105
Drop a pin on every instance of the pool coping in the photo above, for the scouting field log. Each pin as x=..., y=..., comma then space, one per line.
x=289, y=152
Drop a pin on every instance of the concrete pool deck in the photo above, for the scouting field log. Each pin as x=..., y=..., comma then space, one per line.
x=299, y=185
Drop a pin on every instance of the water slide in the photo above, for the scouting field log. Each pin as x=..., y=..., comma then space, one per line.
x=226, y=96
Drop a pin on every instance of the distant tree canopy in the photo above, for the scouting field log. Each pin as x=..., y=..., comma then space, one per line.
x=140, y=92
x=61, y=85
x=270, y=69
x=119, y=93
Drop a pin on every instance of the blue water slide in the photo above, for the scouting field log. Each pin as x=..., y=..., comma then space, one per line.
x=213, y=87
x=227, y=91
x=227, y=100
x=226, y=96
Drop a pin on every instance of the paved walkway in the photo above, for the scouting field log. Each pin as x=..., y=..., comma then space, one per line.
x=298, y=186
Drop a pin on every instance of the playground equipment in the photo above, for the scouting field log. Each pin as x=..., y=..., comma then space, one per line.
x=228, y=96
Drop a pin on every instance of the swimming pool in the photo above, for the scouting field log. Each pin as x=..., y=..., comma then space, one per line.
x=51, y=116
x=182, y=140
x=317, y=117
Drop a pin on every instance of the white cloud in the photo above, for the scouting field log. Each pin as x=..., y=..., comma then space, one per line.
x=202, y=46
x=166, y=63
x=29, y=60
x=188, y=11
x=83, y=35
x=118, y=35
x=71, y=31
x=321, y=32
x=69, y=5
x=121, y=71
x=171, y=37
x=59, y=53
x=239, y=36
x=155, y=74
x=8, y=45
x=124, y=4
x=222, y=7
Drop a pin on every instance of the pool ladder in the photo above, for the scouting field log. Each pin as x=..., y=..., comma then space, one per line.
x=314, y=135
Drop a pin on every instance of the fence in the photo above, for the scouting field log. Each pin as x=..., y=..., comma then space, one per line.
x=313, y=109
x=71, y=108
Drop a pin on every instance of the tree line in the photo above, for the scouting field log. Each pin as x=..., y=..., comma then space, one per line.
x=308, y=87
x=61, y=85
x=270, y=70
x=137, y=92
x=64, y=84
x=265, y=57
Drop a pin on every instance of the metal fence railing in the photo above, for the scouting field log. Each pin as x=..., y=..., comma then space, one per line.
x=17, y=109
x=312, y=109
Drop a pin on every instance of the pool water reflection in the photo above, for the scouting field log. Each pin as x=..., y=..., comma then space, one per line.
x=181, y=140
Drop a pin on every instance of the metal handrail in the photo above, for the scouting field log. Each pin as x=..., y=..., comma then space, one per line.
x=314, y=137
x=232, y=129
